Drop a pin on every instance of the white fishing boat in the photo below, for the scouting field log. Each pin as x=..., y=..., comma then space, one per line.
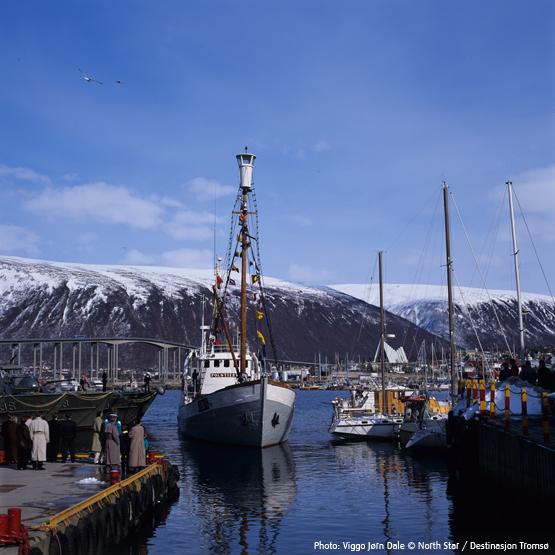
x=432, y=435
x=419, y=410
x=227, y=395
x=358, y=418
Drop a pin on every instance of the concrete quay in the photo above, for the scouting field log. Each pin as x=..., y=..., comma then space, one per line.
x=64, y=515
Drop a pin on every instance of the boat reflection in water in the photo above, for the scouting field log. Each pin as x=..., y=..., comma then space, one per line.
x=241, y=494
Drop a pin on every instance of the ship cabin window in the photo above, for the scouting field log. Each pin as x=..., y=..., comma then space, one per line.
x=246, y=363
x=206, y=363
x=217, y=363
x=226, y=363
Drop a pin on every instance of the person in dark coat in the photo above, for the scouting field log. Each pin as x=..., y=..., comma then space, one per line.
x=68, y=433
x=505, y=372
x=104, y=380
x=53, y=447
x=147, y=382
x=513, y=370
x=124, y=446
x=24, y=445
x=10, y=439
x=528, y=374
x=544, y=376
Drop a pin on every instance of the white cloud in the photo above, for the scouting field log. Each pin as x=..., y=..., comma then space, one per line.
x=207, y=189
x=321, y=146
x=24, y=174
x=536, y=191
x=16, y=239
x=186, y=224
x=307, y=274
x=135, y=256
x=192, y=258
x=98, y=202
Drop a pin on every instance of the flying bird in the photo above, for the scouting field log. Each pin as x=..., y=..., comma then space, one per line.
x=89, y=78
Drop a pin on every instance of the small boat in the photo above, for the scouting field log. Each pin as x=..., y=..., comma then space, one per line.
x=376, y=414
x=358, y=417
x=419, y=410
x=432, y=435
x=228, y=397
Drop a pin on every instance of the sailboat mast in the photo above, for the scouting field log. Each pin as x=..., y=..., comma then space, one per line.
x=452, y=348
x=517, y=269
x=382, y=334
x=246, y=163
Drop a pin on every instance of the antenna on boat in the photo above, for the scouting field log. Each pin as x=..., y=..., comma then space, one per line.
x=246, y=165
x=452, y=348
x=517, y=269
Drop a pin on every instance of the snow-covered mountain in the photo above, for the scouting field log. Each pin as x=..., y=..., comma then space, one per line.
x=477, y=312
x=51, y=299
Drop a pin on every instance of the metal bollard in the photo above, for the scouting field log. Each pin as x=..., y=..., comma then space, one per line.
x=524, y=412
x=545, y=417
x=492, y=400
x=507, y=407
x=482, y=398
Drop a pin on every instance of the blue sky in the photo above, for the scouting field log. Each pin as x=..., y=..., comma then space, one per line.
x=357, y=111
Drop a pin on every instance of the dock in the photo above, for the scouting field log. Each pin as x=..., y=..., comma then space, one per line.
x=507, y=454
x=72, y=508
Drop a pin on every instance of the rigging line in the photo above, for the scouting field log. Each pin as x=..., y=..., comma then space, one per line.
x=497, y=228
x=480, y=273
x=469, y=316
x=533, y=245
x=366, y=306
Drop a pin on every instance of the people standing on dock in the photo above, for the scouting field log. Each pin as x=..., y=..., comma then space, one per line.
x=68, y=433
x=528, y=374
x=54, y=445
x=111, y=437
x=147, y=382
x=96, y=446
x=40, y=434
x=124, y=448
x=137, y=453
x=104, y=380
x=9, y=432
x=24, y=445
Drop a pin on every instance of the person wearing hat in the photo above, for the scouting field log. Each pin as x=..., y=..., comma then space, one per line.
x=112, y=443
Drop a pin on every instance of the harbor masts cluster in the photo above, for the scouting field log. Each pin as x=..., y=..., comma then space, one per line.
x=382, y=334
x=246, y=165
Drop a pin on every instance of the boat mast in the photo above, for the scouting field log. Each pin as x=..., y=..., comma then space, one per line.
x=517, y=270
x=246, y=163
x=382, y=334
x=452, y=348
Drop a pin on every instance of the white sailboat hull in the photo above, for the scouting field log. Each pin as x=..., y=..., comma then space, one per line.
x=255, y=414
x=365, y=428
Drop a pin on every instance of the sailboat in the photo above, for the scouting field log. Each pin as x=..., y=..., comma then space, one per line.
x=227, y=395
x=429, y=431
x=367, y=416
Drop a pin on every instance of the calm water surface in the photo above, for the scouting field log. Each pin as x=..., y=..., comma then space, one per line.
x=283, y=499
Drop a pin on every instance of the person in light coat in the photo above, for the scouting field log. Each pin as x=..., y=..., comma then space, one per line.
x=96, y=446
x=40, y=435
x=137, y=454
x=111, y=437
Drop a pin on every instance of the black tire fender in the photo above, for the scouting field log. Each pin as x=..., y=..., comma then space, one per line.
x=73, y=541
x=98, y=531
x=123, y=513
x=86, y=539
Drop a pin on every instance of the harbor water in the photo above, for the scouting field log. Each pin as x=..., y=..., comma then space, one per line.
x=286, y=499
